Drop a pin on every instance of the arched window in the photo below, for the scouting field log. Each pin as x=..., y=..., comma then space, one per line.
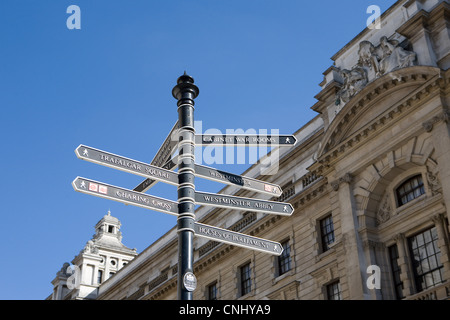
x=410, y=190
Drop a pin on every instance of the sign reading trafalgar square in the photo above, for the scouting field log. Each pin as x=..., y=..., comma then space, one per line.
x=125, y=164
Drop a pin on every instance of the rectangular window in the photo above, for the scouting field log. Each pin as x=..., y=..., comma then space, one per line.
x=212, y=291
x=426, y=259
x=99, y=276
x=326, y=232
x=246, y=281
x=284, y=260
x=396, y=271
x=334, y=291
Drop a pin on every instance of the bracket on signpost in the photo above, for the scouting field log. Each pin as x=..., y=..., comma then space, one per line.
x=160, y=169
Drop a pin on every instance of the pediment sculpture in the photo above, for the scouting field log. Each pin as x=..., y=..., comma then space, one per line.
x=354, y=81
x=382, y=59
x=385, y=57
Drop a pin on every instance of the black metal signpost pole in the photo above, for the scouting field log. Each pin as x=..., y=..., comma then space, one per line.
x=185, y=92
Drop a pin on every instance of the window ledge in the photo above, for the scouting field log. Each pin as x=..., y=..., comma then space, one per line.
x=409, y=204
x=325, y=254
x=284, y=275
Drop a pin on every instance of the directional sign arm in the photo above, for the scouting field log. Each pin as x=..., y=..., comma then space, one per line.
x=106, y=191
x=237, y=239
x=125, y=164
x=237, y=180
x=162, y=158
x=242, y=140
x=245, y=204
x=148, y=183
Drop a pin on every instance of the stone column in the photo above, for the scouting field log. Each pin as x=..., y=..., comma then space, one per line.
x=403, y=262
x=356, y=265
x=439, y=126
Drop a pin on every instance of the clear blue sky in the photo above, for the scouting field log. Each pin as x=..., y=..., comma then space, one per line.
x=257, y=64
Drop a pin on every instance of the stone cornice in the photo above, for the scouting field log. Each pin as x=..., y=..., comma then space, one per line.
x=326, y=95
x=443, y=116
x=423, y=19
x=346, y=178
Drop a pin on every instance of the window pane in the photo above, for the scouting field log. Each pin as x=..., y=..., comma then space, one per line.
x=245, y=279
x=327, y=232
x=396, y=271
x=426, y=259
x=284, y=260
x=334, y=291
x=212, y=291
x=410, y=190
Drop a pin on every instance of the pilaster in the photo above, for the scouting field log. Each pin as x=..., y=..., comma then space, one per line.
x=356, y=265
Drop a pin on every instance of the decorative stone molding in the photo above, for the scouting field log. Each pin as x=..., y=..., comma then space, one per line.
x=432, y=177
x=384, y=212
x=347, y=178
x=399, y=237
x=444, y=116
x=335, y=142
x=287, y=292
x=325, y=274
x=438, y=218
x=372, y=244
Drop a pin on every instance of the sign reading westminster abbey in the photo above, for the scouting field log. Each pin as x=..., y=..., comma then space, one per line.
x=366, y=188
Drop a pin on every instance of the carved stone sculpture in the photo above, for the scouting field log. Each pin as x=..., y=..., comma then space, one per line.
x=63, y=271
x=354, y=81
x=432, y=177
x=90, y=247
x=382, y=59
x=384, y=211
x=386, y=57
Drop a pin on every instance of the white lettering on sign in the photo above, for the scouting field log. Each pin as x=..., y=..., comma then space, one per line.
x=222, y=234
x=120, y=162
x=143, y=199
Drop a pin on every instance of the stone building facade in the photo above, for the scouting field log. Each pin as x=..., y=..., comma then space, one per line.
x=369, y=180
x=100, y=259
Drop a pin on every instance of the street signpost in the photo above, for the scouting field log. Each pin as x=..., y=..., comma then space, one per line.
x=244, y=204
x=183, y=136
x=244, y=140
x=237, y=180
x=237, y=239
x=107, y=191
